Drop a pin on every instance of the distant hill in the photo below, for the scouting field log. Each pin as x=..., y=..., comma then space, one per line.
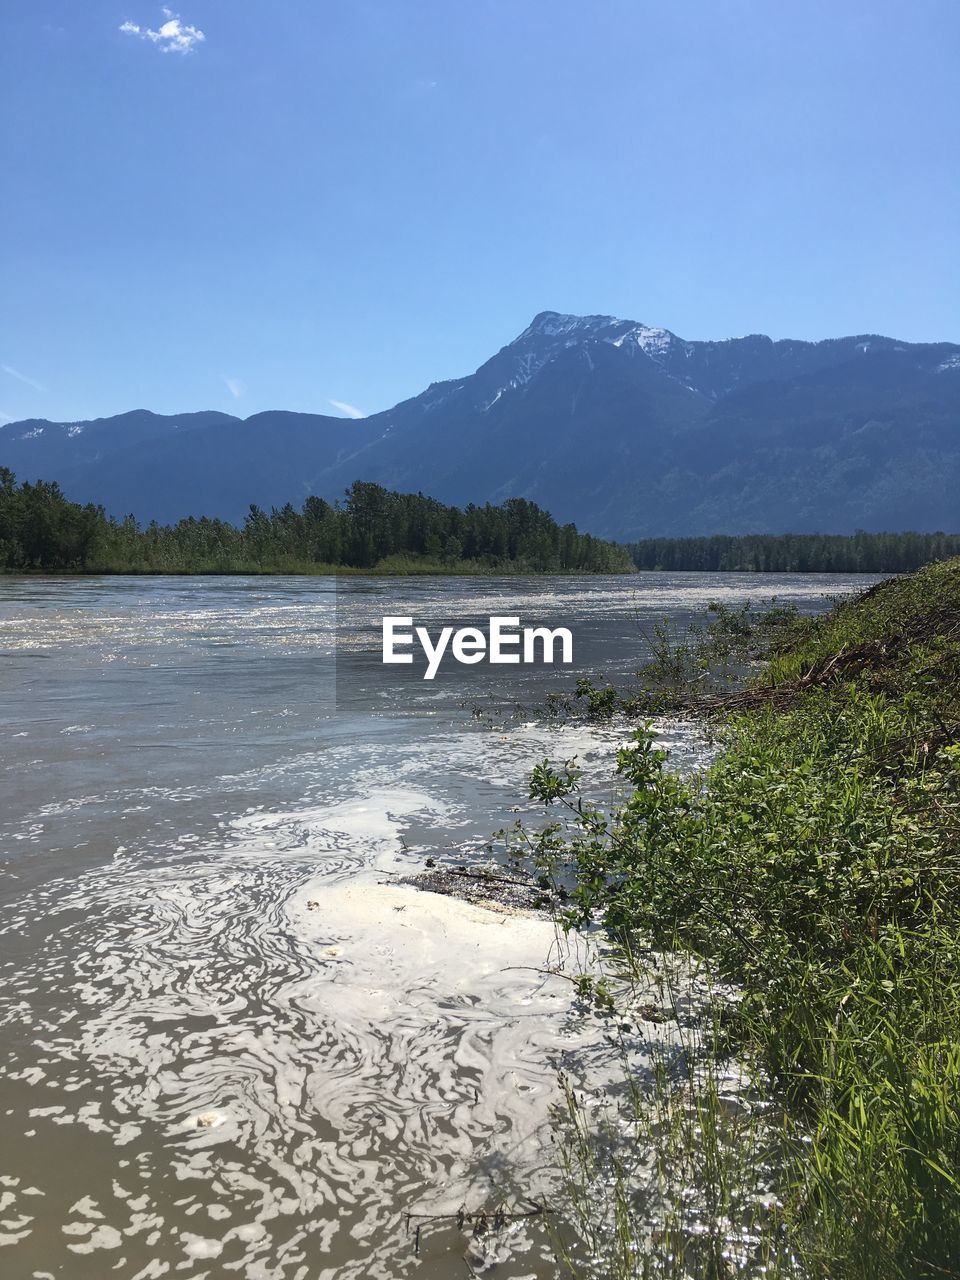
x=628, y=430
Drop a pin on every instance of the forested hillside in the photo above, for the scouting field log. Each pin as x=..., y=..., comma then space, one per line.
x=42, y=532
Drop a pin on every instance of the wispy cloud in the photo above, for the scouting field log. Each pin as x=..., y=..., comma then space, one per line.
x=22, y=377
x=235, y=387
x=350, y=410
x=173, y=36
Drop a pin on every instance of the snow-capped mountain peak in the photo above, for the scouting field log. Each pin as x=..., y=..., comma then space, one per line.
x=554, y=324
x=552, y=332
x=565, y=331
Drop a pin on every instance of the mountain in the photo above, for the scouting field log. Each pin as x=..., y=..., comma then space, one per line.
x=628, y=430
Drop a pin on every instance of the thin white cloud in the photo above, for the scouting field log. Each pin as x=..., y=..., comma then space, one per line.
x=173, y=36
x=235, y=387
x=350, y=410
x=22, y=377
x=6, y=417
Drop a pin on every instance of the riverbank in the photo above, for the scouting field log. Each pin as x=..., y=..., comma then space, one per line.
x=814, y=865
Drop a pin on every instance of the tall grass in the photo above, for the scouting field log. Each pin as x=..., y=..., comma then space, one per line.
x=673, y=1175
x=816, y=865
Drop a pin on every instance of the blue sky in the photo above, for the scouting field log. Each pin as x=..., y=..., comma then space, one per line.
x=324, y=202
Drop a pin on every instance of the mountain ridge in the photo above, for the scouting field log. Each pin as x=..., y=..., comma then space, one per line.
x=627, y=429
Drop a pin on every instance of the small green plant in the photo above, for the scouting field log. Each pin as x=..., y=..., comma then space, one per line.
x=601, y=703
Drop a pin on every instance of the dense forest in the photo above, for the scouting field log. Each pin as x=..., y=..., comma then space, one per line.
x=373, y=529
x=798, y=552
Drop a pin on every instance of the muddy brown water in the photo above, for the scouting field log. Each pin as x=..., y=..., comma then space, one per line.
x=231, y=1045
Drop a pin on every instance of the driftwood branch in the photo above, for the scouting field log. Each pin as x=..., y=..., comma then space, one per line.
x=481, y=1220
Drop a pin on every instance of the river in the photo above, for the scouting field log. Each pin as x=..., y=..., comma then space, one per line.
x=232, y=1045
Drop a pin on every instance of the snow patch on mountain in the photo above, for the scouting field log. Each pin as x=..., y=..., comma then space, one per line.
x=653, y=342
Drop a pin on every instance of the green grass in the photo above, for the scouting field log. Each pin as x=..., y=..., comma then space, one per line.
x=816, y=865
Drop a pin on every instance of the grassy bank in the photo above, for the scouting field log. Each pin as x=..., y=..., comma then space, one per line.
x=816, y=865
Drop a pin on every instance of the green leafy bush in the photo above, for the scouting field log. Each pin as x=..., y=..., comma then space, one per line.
x=816, y=864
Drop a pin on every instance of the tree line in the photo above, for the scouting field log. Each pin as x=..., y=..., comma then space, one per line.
x=373, y=528
x=798, y=552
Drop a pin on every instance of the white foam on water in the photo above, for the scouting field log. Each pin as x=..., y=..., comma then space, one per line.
x=311, y=1052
